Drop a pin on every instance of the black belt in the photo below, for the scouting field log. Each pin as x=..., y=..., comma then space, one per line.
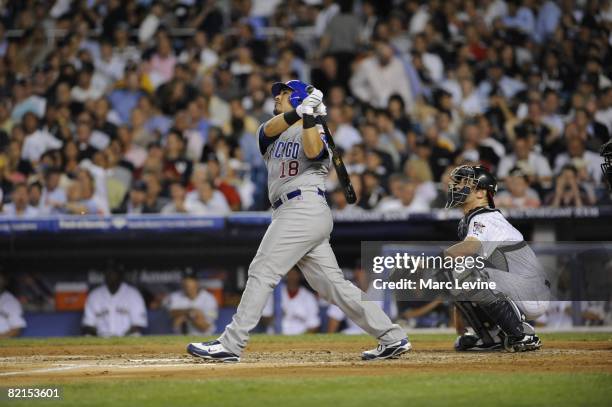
x=294, y=194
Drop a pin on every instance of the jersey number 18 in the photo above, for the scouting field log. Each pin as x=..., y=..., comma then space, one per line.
x=289, y=168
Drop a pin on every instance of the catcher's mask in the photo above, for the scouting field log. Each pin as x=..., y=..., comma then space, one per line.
x=467, y=178
x=606, y=166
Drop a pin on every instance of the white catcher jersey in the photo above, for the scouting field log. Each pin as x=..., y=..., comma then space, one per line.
x=287, y=164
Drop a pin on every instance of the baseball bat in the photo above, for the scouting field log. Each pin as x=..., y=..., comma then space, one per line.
x=343, y=176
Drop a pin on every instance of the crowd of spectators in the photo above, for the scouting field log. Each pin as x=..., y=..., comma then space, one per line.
x=142, y=106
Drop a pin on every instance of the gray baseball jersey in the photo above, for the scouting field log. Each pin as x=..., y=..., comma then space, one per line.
x=287, y=164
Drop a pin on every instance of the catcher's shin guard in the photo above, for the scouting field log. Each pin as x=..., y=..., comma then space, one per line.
x=507, y=316
x=480, y=322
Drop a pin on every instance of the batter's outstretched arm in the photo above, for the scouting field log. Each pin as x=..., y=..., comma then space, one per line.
x=280, y=123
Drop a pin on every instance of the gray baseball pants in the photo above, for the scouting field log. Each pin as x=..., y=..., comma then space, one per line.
x=299, y=235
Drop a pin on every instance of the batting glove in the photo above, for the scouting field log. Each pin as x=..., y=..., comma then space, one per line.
x=302, y=109
x=314, y=98
x=320, y=110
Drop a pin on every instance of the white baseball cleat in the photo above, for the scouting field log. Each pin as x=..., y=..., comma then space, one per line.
x=527, y=343
x=469, y=342
x=391, y=351
x=213, y=351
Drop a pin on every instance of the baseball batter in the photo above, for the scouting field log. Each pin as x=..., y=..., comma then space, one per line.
x=522, y=291
x=297, y=158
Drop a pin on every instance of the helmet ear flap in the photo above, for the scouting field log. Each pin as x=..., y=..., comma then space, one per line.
x=490, y=199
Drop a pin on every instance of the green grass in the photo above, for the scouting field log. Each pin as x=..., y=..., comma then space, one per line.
x=470, y=390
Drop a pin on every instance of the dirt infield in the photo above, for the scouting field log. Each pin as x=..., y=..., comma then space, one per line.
x=301, y=358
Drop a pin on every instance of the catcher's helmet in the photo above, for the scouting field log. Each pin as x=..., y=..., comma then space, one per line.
x=298, y=91
x=606, y=166
x=465, y=179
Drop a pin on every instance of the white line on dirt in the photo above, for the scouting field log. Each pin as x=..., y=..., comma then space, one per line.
x=46, y=370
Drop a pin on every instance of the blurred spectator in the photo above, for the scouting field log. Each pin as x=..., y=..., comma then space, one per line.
x=517, y=193
x=179, y=204
x=586, y=162
x=212, y=200
x=474, y=149
x=345, y=135
x=11, y=313
x=328, y=11
x=533, y=164
x=115, y=308
x=417, y=169
x=53, y=195
x=34, y=194
x=341, y=37
x=125, y=98
x=86, y=90
x=405, y=202
x=20, y=207
x=339, y=205
x=372, y=191
x=136, y=201
x=568, y=191
x=520, y=20
x=194, y=310
x=37, y=141
x=300, y=309
x=378, y=77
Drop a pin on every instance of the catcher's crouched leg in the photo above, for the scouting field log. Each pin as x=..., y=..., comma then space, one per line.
x=485, y=334
x=496, y=320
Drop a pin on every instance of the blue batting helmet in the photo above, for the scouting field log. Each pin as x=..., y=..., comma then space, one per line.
x=298, y=91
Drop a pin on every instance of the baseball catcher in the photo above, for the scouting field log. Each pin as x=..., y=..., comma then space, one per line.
x=497, y=318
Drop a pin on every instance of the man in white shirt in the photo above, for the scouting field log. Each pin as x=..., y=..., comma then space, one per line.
x=194, y=310
x=37, y=141
x=517, y=194
x=114, y=309
x=212, y=199
x=11, y=313
x=406, y=203
x=109, y=67
x=604, y=113
x=299, y=307
x=345, y=135
x=580, y=158
x=531, y=163
x=433, y=63
x=378, y=77
x=179, y=204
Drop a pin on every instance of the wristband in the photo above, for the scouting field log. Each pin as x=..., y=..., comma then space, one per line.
x=291, y=117
x=309, y=121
